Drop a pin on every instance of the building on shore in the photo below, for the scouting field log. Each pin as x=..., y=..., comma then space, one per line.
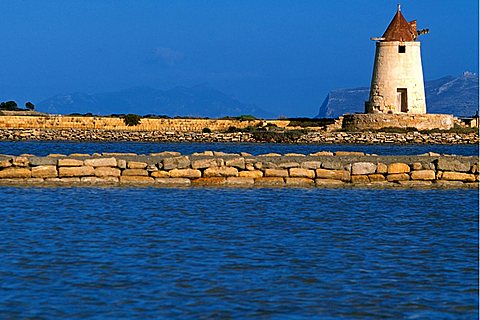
x=397, y=92
x=397, y=81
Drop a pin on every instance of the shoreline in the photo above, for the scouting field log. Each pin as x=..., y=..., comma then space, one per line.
x=218, y=169
x=297, y=137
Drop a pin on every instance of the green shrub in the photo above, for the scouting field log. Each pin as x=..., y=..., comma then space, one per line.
x=233, y=129
x=30, y=106
x=9, y=106
x=246, y=117
x=131, y=119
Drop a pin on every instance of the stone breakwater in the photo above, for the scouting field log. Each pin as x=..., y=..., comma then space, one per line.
x=172, y=169
x=161, y=136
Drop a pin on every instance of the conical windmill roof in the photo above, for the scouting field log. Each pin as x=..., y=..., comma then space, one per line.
x=400, y=30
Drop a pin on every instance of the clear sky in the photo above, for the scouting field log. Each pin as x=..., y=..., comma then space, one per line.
x=283, y=56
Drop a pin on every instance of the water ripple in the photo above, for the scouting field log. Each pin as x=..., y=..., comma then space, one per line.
x=238, y=253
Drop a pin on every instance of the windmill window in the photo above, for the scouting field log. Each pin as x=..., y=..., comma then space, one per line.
x=401, y=49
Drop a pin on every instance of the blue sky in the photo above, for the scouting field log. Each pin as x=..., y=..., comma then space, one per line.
x=282, y=55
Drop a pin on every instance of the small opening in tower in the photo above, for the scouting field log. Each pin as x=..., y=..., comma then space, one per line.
x=401, y=49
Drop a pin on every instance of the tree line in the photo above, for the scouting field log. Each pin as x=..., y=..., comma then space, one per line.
x=13, y=106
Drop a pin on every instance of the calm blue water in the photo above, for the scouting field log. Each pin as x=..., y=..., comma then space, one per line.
x=41, y=148
x=135, y=253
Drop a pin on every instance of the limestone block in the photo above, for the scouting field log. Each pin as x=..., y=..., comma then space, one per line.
x=15, y=173
x=82, y=171
x=204, y=153
x=220, y=172
x=271, y=154
x=258, y=165
x=276, y=173
x=398, y=167
x=152, y=168
x=448, y=184
x=134, y=172
x=20, y=161
x=236, y=162
x=249, y=167
x=102, y=180
x=382, y=168
x=172, y=181
x=342, y=175
x=204, y=163
x=101, y=162
x=210, y=181
x=328, y=182
x=269, y=165
x=136, y=179
x=79, y=155
x=5, y=163
x=122, y=163
x=458, y=176
x=221, y=153
x=349, y=153
x=474, y=168
x=240, y=181
x=176, y=163
x=423, y=175
x=417, y=166
x=107, y=172
x=13, y=181
x=294, y=155
x=44, y=172
x=321, y=153
x=473, y=185
x=34, y=180
x=398, y=177
x=450, y=164
x=299, y=182
x=245, y=154
x=360, y=179
x=63, y=180
x=136, y=165
x=332, y=165
x=301, y=173
x=69, y=163
x=311, y=165
x=251, y=174
x=117, y=154
x=363, y=168
x=56, y=155
x=269, y=182
x=185, y=173
x=287, y=165
x=42, y=161
x=166, y=154
x=376, y=177
x=415, y=183
x=160, y=174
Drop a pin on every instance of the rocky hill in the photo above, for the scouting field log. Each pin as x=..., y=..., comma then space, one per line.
x=448, y=95
x=198, y=101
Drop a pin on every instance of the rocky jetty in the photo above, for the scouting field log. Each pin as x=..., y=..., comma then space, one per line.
x=172, y=169
x=297, y=137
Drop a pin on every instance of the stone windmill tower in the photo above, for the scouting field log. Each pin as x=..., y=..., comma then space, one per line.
x=397, y=81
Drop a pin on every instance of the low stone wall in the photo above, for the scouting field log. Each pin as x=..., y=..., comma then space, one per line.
x=377, y=121
x=310, y=137
x=322, y=169
x=117, y=124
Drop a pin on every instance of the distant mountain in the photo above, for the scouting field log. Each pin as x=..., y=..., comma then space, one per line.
x=198, y=101
x=448, y=95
